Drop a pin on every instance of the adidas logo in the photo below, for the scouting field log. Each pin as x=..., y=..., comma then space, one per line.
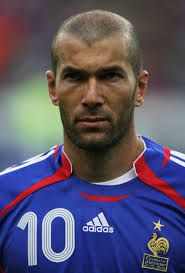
x=98, y=224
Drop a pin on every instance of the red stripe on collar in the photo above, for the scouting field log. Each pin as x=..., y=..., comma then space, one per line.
x=166, y=156
x=149, y=177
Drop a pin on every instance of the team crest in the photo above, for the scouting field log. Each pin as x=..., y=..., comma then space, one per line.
x=159, y=247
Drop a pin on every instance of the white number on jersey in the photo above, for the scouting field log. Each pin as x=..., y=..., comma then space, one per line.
x=30, y=219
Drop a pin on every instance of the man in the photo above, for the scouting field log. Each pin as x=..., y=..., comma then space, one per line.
x=107, y=201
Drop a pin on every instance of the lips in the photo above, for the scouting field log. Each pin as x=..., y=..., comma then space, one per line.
x=94, y=121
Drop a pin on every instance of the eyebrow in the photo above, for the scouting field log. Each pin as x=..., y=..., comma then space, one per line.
x=69, y=68
x=116, y=68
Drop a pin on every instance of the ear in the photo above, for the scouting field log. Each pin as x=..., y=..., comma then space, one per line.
x=142, y=85
x=51, y=79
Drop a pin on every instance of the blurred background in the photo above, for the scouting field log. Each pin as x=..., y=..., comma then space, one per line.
x=31, y=125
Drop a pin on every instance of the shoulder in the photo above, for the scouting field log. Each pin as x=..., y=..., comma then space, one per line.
x=19, y=178
x=178, y=158
x=161, y=158
x=163, y=169
x=175, y=167
x=174, y=174
x=29, y=166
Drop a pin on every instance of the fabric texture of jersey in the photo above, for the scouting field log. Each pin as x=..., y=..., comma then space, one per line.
x=52, y=221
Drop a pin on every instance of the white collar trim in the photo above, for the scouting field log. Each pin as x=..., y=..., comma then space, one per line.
x=119, y=180
x=126, y=177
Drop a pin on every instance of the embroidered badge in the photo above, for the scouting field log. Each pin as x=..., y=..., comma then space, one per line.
x=157, y=245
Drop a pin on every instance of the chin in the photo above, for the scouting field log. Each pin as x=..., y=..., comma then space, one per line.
x=97, y=140
x=94, y=143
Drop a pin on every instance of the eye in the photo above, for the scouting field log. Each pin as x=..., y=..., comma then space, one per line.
x=72, y=76
x=111, y=75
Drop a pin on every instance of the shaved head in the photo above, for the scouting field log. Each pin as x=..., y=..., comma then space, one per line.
x=93, y=26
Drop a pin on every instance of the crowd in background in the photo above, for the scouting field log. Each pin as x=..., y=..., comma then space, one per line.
x=26, y=30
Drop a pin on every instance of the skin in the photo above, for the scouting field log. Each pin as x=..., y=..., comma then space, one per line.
x=96, y=91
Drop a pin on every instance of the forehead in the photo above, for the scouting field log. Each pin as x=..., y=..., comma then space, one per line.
x=109, y=51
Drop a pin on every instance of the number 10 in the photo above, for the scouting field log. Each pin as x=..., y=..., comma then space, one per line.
x=30, y=219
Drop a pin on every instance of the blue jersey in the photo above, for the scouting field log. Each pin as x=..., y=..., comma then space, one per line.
x=52, y=221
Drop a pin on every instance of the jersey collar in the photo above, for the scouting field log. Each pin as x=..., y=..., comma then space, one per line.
x=154, y=157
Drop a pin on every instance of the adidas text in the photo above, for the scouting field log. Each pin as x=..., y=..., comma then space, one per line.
x=99, y=229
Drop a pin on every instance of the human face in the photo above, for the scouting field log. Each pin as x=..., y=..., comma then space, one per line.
x=96, y=91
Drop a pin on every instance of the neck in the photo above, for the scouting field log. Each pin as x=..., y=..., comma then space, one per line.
x=107, y=164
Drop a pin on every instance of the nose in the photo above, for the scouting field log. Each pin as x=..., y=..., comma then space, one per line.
x=92, y=94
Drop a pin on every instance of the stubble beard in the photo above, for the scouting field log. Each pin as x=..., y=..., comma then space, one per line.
x=113, y=136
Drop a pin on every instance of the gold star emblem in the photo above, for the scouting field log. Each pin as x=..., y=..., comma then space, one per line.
x=158, y=225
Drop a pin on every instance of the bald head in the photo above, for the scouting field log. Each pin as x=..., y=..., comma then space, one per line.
x=94, y=26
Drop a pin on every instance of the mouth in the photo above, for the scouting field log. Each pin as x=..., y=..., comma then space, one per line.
x=94, y=121
x=91, y=119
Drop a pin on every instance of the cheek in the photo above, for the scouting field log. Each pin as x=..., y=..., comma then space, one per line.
x=121, y=103
x=69, y=106
x=120, y=98
x=69, y=93
x=121, y=90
